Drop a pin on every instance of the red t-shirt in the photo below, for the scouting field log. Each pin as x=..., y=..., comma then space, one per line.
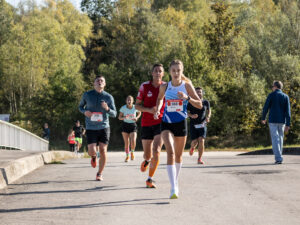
x=148, y=94
x=71, y=139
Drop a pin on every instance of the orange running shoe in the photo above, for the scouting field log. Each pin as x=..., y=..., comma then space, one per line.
x=144, y=165
x=150, y=183
x=192, y=151
x=94, y=162
x=200, y=161
x=127, y=158
x=99, y=177
x=132, y=156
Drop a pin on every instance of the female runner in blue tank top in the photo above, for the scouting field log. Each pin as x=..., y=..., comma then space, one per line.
x=177, y=93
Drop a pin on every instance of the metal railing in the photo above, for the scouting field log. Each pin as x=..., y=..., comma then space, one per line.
x=15, y=137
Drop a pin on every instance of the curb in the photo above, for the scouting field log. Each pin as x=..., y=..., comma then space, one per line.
x=268, y=151
x=20, y=167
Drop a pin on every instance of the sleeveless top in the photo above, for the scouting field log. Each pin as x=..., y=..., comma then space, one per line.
x=175, y=108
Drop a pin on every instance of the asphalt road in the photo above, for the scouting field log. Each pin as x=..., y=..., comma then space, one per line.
x=228, y=189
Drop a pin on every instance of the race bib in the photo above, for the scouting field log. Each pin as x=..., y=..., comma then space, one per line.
x=97, y=117
x=175, y=105
x=130, y=116
x=201, y=125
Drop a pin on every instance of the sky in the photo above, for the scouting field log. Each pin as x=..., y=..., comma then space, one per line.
x=76, y=3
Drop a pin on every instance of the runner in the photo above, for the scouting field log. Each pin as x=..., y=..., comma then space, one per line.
x=151, y=139
x=97, y=106
x=79, y=131
x=71, y=140
x=198, y=124
x=177, y=93
x=130, y=116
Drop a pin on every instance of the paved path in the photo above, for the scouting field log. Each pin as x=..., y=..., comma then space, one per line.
x=229, y=190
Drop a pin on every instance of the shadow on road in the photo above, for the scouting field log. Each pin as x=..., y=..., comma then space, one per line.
x=102, y=188
x=133, y=202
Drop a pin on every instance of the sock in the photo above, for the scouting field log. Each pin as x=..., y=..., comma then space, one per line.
x=132, y=150
x=127, y=151
x=153, y=166
x=172, y=175
x=178, y=167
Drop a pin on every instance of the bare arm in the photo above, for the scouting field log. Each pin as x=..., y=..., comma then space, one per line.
x=208, y=115
x=193, y=116
x=141, y=108
x=121, y=116
x=138, y=115
x=160, y=98
x=194, y=98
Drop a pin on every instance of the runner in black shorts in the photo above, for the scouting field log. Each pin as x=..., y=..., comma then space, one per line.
x=97, y=106
x=130, y=116
x=151, y=139
x=177, y=93
x=198, y=121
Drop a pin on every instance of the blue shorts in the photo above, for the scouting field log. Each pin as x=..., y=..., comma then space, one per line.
x=197, y=132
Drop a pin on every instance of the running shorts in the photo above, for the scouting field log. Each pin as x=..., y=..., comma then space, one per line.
x=197, y=132
x=95, y=136
x=178, y=129
x=150, y=131
x=129, y=127
x=78, y=139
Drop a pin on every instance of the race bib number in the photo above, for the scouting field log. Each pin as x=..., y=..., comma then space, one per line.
x=175, y=105
x=130, y=116
x=97, y=117
x=201, y=125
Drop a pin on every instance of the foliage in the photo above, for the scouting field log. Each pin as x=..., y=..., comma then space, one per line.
x=233, y=49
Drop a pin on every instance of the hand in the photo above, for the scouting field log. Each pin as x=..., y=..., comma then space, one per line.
x=156, y=115
x=152, y=110
x=194, y=116
x=182, y=95
x=88, y=113
x=207, y=119
x=104, y=106
x=263, y=121
x=134, y=119
x=286, y=129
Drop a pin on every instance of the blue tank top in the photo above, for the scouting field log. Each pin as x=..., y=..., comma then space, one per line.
x=175, y=109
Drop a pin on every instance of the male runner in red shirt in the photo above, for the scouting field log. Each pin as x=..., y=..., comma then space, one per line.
x=151, y=139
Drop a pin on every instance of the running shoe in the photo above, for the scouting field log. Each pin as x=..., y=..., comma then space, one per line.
x=150, y=183
x=94, y=161
x=144, y=165
x=132, y=156
x=127, y=158
x=99, y=177
x=192, y=151
x=200, y=161
x=174, y=194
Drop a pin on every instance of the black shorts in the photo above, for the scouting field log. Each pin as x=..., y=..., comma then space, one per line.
x=197, y=132
x=129, y=127
x=178, y=129
x=95, y=136
x=151, y=131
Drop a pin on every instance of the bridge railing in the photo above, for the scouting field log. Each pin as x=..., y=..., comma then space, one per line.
x=12, y=136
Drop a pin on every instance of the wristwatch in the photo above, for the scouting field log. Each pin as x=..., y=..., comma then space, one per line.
x=188, y=98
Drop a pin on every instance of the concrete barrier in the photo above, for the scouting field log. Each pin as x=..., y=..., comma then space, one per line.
x=3, y=182
x=20, y=167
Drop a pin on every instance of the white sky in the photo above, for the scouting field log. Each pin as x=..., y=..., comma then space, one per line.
x=76, y=3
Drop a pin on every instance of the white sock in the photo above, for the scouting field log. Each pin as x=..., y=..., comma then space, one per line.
x=178, y=167
x=172, y=176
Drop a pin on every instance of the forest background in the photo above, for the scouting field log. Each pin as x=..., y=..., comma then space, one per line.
x=234, y=49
